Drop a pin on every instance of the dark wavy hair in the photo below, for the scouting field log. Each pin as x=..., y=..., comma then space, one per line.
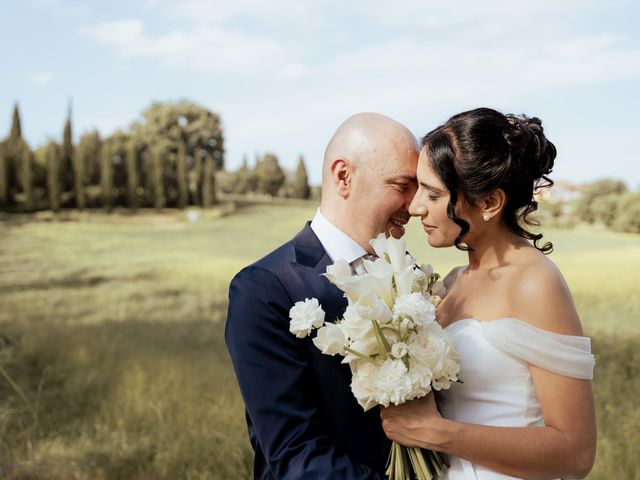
x=478, y=151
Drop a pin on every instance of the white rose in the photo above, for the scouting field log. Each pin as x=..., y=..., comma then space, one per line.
x=330, y=339
x=431, y=348
x=305, y=316
x=415, y=307
x=428, y=350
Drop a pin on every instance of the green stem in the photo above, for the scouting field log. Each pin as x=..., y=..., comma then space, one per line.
x=361, y=356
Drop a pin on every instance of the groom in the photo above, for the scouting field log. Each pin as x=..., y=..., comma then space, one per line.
x=304, y=422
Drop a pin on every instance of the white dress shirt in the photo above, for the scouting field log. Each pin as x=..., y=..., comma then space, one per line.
x=336, y=243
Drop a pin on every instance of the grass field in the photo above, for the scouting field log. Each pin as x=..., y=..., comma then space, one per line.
x=113, y=365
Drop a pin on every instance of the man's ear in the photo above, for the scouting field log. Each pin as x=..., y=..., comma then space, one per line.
x=341, y=176
x=494, y=203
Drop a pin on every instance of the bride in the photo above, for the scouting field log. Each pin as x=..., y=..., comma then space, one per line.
x=525, y=406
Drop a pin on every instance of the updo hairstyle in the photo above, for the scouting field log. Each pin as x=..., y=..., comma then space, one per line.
x=478, y=151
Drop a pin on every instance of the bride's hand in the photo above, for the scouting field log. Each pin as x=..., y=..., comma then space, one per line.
x=416, y=423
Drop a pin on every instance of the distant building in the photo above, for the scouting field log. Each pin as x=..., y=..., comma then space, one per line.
x=561, y=192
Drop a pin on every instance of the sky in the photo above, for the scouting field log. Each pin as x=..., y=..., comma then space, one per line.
x=283, y=74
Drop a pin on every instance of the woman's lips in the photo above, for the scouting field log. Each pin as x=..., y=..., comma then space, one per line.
x=428, y=228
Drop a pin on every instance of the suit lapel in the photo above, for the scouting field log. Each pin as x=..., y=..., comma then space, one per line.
x=310, y=263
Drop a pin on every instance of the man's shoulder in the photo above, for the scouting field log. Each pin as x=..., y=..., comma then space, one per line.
x=279, y=261
x=275, y=261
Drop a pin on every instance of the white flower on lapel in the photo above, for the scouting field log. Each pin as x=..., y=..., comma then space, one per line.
x=305, y=316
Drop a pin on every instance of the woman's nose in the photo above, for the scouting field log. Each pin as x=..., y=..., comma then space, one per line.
x=416, y=209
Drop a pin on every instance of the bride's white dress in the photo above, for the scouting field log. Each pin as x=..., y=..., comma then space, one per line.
x=497, y=389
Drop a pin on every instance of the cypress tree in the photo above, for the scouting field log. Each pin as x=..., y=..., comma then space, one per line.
x=208, y=183
x=66, y=159
x=132, y=175
x=16, y=128
x=4, y=187
x=196, y=176
x=26, y=167
x=301, y=183
x=157, y=184
x=79, y=178
x=270, y=175
x=106, y=176
x=53, y=175
x=181, y=174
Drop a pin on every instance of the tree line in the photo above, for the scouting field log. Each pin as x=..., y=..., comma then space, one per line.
x=611, y=203
x=172, y=157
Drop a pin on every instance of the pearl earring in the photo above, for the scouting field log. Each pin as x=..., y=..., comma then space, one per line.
x=486, y=217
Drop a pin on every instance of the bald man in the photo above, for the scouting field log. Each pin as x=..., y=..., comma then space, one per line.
x=304, y=422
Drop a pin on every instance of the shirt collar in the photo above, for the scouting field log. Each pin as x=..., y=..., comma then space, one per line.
x=336, y=243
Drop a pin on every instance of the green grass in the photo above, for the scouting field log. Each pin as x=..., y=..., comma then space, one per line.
x=113, y=363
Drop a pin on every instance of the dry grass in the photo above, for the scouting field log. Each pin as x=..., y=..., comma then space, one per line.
x=111, y=327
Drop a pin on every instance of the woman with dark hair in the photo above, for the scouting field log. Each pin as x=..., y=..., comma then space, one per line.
x=524, y=408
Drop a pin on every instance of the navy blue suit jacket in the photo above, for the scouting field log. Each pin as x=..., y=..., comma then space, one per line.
x=304, y=422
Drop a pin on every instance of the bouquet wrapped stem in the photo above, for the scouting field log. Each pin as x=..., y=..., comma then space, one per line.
x=406, y=463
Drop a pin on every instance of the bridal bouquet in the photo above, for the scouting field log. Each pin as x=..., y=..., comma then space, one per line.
x=389, y=338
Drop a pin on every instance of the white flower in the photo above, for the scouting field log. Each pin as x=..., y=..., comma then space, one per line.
x=380, y=278
x=353, y=325
x=381, y=384
x=392, y=249
x=404, y=281
x=391, y=384
x=362, y=384
x=372, y=307
x=415, y=307
x=330, y=339
x=399, y=350
x=354, y=286
x=339, y=271
x=305, y=316
x=431, y=348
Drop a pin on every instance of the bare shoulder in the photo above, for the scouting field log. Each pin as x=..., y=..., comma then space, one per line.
x=451, y=277
x=540, y=296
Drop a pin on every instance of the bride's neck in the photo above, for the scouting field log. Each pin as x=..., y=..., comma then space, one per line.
x=494, y=249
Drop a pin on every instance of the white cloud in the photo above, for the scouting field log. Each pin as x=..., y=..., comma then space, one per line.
x=214, y=50
x=42, y=79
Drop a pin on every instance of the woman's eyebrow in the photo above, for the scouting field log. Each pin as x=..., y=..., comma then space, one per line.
x=431, y=187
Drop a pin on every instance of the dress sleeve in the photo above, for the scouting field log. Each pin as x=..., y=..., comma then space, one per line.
x=563, y=354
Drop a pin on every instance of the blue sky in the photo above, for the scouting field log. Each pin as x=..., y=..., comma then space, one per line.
x=284, y=74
